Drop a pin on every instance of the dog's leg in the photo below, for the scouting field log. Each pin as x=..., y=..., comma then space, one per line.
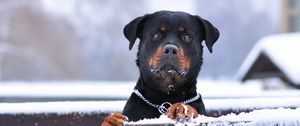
x=116, y=119
x=180, y=111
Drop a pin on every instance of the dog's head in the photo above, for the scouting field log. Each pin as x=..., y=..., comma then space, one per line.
x=170, y=49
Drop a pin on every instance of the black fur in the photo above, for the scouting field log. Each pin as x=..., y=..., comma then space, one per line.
x=154, y=82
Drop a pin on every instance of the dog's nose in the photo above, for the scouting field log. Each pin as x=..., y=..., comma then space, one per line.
x=170, y=49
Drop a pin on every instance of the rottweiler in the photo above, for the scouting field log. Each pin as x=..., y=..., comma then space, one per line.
x=169, y=59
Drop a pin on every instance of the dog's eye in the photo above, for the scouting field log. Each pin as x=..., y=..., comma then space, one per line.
x=156, y=36
x=187, y=37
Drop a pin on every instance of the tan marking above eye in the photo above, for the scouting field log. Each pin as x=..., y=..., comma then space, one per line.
x=181, y=29
x=163, y=28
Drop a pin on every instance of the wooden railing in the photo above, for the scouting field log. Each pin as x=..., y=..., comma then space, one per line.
x=92, y=113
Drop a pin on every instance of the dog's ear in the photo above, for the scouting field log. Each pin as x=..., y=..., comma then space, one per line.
x=211, y=33
x=132, y=30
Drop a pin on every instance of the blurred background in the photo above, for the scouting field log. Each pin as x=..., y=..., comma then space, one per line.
x=75, y=50
x=82, y=40
x=48, y=40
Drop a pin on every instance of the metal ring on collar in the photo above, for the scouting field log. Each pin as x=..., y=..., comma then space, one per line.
x=163, y=108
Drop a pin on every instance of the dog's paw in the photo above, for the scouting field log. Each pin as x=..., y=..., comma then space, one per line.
x=116, y=119
x=180, y=111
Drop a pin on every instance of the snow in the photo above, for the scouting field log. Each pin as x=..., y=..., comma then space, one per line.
x=117, y=106
x=282, y=49
x=62, y=107
x=286, y=116
x=217, y=95
x=209, y=89
x=258, y=117
x=67, y=89
x=251, y=103
x=278, y=116
x=212, y=89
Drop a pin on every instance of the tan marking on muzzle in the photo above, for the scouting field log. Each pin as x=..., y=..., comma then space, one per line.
x=184, y=61
x=156, y=57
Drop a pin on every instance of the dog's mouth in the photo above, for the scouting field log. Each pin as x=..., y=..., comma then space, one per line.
x=171, y=77
x=168, y=70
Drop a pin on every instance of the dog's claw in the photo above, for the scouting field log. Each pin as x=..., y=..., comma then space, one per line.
x=180, y=111
x=116, y=119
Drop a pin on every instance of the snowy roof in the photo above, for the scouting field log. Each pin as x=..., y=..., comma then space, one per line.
x=283, y=50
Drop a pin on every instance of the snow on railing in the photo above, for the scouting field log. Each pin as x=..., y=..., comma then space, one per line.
x=66, y=91
x=244, y=104
x=238, y=105
x=281, y=111
x=270, y=117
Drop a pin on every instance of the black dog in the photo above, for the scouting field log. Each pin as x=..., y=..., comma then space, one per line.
x=169, y=60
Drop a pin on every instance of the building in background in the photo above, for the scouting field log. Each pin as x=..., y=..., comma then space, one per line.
x=275, y=57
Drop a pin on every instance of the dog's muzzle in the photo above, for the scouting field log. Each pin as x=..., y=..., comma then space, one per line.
x=169, y=58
